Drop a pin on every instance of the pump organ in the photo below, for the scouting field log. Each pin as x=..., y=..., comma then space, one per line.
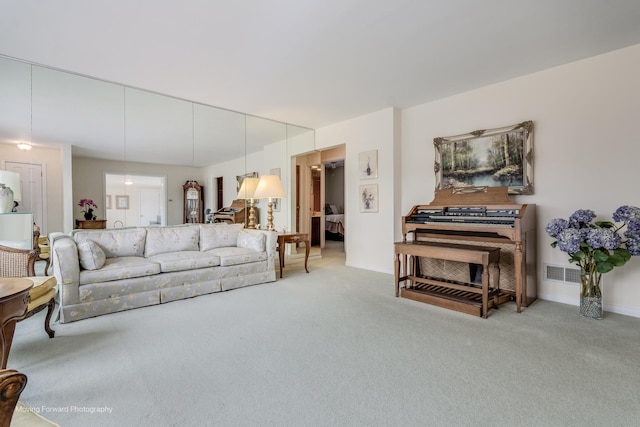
x=481, y=216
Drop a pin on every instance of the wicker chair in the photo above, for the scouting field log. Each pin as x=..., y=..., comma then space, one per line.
x=20, y=263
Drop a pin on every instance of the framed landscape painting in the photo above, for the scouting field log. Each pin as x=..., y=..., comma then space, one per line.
x=487, y=158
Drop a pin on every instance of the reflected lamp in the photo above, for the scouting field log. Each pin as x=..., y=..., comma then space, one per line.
x=269, y=187
x=247, y=190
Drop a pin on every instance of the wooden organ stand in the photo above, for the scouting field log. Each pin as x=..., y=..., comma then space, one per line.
x=237, y=213
x=480, y=216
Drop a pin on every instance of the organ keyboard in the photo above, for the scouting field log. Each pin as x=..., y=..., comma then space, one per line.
x=482, y=216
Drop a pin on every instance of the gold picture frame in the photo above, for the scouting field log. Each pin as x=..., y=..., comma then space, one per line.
x=122, y=202
x=492, y=158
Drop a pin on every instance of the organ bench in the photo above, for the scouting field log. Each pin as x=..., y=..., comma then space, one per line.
x=466, y=297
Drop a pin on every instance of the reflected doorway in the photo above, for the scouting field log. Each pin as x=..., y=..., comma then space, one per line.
x=135, y=200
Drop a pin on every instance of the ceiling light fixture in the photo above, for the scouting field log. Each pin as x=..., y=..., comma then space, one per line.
x=24, y=146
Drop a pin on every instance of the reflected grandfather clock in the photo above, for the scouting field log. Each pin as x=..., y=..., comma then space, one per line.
x=193, y=202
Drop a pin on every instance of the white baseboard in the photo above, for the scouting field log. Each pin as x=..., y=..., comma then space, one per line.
x=633, y=312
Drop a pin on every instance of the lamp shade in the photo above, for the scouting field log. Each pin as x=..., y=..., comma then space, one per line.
x=248, y=188
x=269, y=187
x=12, y=180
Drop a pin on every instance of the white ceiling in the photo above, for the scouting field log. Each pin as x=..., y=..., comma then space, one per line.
x=310, y=62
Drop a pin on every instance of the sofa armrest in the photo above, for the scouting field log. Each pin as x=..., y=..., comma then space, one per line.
x=270, y=243
x=66, y=267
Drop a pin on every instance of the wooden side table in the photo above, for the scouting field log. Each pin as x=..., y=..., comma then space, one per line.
x=91, y=223
x=293, y=238
x=14, y=298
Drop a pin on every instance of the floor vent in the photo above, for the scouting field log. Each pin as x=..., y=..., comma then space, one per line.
x=562, y=274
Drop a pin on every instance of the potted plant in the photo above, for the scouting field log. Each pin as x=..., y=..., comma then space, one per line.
x=87, y=206
x=597, y=247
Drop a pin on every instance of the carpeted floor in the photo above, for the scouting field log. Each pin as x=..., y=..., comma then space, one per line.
x=332, y=348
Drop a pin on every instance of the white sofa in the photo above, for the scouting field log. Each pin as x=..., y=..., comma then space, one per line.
x=106, y=271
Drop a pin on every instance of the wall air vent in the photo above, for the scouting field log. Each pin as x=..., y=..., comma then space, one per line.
x=572, y=275
x=562, y=274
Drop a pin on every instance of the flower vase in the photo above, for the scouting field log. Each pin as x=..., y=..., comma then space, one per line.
x=88, y=215
x=591, y=294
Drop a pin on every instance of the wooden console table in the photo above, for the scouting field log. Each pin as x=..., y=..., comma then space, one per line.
x=465, y=297
x=293, y=238
x=14, y=298
x=91, y=223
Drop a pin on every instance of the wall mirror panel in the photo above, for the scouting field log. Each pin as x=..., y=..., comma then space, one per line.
x=262, y=132
x=15, y=100
x=158, y=127
x=106, y=120
x=219, y=135
x=68, y=108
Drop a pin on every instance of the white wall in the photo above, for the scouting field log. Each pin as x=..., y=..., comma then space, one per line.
x=586, y=150
x=368, y=236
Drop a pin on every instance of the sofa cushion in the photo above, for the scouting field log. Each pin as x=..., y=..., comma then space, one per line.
x=92, y=257
x=234, y=255
x=120, y=268
x=251, y=240
x=185, y=260
x=162, y=240
x=115, y=243
x=218, y=235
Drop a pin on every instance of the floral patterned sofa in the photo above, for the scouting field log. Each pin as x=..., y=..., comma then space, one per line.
x=106, y=271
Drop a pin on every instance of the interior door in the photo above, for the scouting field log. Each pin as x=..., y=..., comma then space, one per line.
x=32, y=189
x=150, y=207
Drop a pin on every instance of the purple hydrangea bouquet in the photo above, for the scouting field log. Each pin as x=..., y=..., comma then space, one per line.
x=87, y=206
x=597, y=247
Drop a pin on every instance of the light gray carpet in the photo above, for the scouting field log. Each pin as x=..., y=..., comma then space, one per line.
x=332, y=348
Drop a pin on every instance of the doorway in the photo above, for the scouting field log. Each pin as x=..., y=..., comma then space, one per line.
x=320, y=180
x=32, y=183
x=334, y=207
x=135, y=200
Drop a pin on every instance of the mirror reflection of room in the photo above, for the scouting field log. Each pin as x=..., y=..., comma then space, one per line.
x=134, y=200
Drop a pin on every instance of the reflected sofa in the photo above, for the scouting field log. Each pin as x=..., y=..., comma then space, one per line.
x=106, y=271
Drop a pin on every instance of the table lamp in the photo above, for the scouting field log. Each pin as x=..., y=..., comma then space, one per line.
x=9, y=190
x=269, y=187
x=247, y=190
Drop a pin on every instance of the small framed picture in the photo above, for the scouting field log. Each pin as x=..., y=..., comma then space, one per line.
x=107, y=201
x=122, y=202
x=368, y=164
x=369, y=198
x=275, y=202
